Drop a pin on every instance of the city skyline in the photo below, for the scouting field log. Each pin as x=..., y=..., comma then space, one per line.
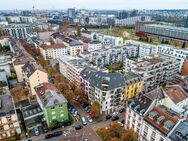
x=97, y=4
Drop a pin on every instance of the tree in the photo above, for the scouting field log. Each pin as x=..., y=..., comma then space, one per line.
x=51, y=71
x=103, y=134
x=129, y=135
x=78, y=31
x=54, y=124
x=42, y=62
x=95, y=107
x=115, y=130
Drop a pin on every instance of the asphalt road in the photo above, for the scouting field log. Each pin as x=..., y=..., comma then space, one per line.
x=70, y=130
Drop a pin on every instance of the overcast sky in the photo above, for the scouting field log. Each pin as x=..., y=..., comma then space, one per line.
x=93, y=4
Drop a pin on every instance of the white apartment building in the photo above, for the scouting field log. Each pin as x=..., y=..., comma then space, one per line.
x=106, y=88
x=9, y=123
x=5, y=62
x=155, y=69
x=33, y=75
x=94, y=45
x=178, y=53
x=71, y=68
x=74, y=47
x=18, y=31
x=131, y=21
x=54, y=51
x=144, y=49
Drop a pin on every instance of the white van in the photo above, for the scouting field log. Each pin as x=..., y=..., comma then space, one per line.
x=84, y=122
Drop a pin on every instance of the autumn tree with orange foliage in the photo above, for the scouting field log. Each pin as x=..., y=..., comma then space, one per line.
x=116, y=133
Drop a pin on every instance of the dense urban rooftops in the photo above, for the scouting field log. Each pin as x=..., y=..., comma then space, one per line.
x=53, y=46
x=49, y=95
x=175, y=93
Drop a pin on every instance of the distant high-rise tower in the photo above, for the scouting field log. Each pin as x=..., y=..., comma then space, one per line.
x=71, y=13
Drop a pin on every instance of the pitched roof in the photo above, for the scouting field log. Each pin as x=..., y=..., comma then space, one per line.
x=49, y=95
x=175, y=93
x=107, y=81
x=30, y=67
x=23, y=58
x=54, y=46
x=161, y=119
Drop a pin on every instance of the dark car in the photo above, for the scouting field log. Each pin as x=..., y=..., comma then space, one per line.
x=48, y=136
x=114, y=118
x=123, y=121
x=121, y=110
x=84, y=105
x=78, y=127
x=108, y=117
x=57, y=133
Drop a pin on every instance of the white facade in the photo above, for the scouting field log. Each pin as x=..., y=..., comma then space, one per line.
x=131, y=21
x=179, y=54
x=92, y=46
x=53, y=51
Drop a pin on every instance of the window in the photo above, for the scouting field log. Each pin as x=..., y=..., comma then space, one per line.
x=52, y=107
x=54, y=117
x=62, y=115
x=53, y=113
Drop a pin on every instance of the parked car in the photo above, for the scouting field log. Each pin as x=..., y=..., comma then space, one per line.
x=121, y=110
x=78, y=127
x=75, y=113
x=84, y=105
x=89, y=119
x=108, y=117
x=73, y=110
x=121, y=124
x=92, y=114
x=57, y=133
x=123, y=121
x=88, y=110
x=36, y=131
x=84, y=122
x=48, y=136
x=114, y=118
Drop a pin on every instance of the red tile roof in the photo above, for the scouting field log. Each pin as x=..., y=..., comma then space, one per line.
x=44, y=46
x=167, y=117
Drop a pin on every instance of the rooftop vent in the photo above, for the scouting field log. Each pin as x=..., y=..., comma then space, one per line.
x=153, y=115
x=160, y=119
x=168, y=124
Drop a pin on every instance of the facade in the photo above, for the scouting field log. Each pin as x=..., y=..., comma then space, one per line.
x=52, y=103
x=158, y=123
x=169, y=32
x=9, y=123
x=74, y=47
x=19, y=62
x=133, y=85
x=18, y=31
x=4, y=64
x=106, y=88
x=4, y=41
x=53, y=51
x=131, y=21
x=71, y=68
x=94, y=45
x=178, y=53
x=33, y=75
x=155, y=70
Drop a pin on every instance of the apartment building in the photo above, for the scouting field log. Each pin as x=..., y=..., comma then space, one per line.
x=52, y=103
x=19, y=62
x=9, y=124
x=178, y=53
x=133, y=85
x=33, y=75
x=154, y=69
x=176, y=98
x=18, y=31
x=71, y=68
x=108, y=56
x=108, y=40
x=144, y=49
x=74, y=47
x=5, y=62
x=53, y=51
x=131, y=21
x=158, y=123
x=106, y=88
